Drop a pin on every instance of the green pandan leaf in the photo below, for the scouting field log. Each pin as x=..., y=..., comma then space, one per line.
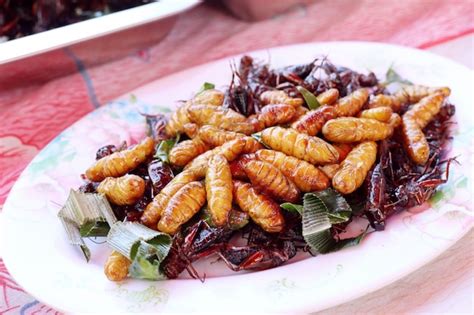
x=391, y=76
x=309, y=98
x=291, y=207
x=206, y=86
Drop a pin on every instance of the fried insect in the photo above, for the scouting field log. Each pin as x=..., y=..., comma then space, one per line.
x=352, y=103
x=350, y=129
x=214, y=137
x=330, y=170
x=355, y=167
x=300, y=111
x=381, y=114
x=191, y=130
x=124, y=190
x=271, y=115
x=269, y=179
x=382, y=100
x=395, y=121
x=304, y=175
x=312, y=122
x=328, y=97
x=121, y=162
x=153, y=211
x=116, y=266
x=411, y=94
x=178, y=120
x=220, y=117
x=414, y=120
x=182, y=206
x=209, y=97
x=311, y=149
x=343, y=149
x=219, y=190
x=279, y=97
x=185, y=151
x=261, y=209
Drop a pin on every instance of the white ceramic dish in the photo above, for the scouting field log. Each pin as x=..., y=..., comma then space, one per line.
x=39, y=257
x=89, y=29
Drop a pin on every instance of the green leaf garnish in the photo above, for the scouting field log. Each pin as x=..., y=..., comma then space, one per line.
x=133, y=98
x=86, y=215
x=206, y=86
x=291, y=207
x=309, y=98
x=164, y=147
x=146, y=248
x=321, y=210
x=391, y=76
x=258, y=136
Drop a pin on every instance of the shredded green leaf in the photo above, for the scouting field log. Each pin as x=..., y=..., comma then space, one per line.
x=164, y=147
x=321, y=210
x=206, y=86
x=146, y=248
x=309, y=98
x=391, y=76
x=291, y=207
x=258, y=136
x=74, y=237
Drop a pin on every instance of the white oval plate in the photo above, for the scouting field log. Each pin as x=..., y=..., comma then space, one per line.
x=39, y=257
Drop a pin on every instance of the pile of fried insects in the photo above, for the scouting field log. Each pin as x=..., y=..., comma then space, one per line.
x=280, y=162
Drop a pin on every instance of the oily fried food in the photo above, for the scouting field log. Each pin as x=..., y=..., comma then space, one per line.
x=280, y=97
x=350, y=129
x=214, y=137
x=312, y=122
x=395, y=121
x=124, y=190
x=343, y=149
x=152, y=212
x=116, y=266
x=355, y=167
x=304, y=175
x=191, y=130
x=271, y=115
x=224, y=118
x=230, y=150
x=381, y=114
x=425, y=110
x=185, y=151
x=209, y=97
x=382, y=100
x=289, y=141
x=219, y=190
x=178, y=120
x=411, y=94
x=351, y=104
x=330, y=169
x=261, y=209
x=269, y=179
x=182, y=206
x=121, y=162
x=328, y=97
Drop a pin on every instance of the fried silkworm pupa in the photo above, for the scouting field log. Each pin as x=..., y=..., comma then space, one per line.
x=179, y=118
x=343, y=149
x=355, y=167
x=289, y=141
x=182, y=206
x=330, y=169
x=191, y=130
x=395, y=121
x=224, y=118
x=153, y=210
x=352, y=103
x=185, y=151
x=350, y=129
x=411, y=94
x=382, y=100
x=269, y=179
x=124, y=190
x=261, y=209
x=215, y=137
x=328, y=97
x=230, y=150
x=121, y=162
x=219, y=190
x=300, y=111
x=312, y=122
x=209, y=97
x=381, y=114
x=304, y=175
x=279, y=97
x=237, y=169
x=425, y=110
x=271, y=115
x=116, y=266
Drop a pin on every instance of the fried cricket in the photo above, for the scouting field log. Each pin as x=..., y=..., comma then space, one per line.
x=182, y=206
x=269, y=179
x=355, y=167
x=219, y=190
x=350, y=129
x=303, y=174
x=124, y=190
x=311, y=149
x=261, y=209
x=121, y=162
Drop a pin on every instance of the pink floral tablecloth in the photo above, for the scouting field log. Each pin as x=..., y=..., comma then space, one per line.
x=31, y=116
